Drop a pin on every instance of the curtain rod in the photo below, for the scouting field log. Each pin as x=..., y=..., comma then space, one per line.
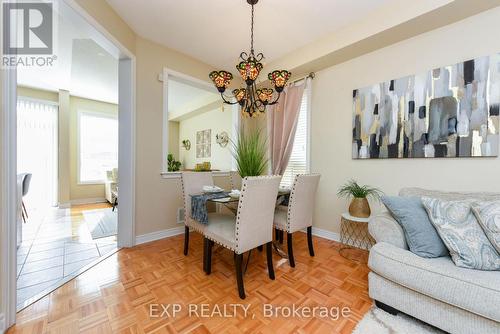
x=310, y=75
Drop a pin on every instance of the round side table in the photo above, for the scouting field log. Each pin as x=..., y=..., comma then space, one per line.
x=354, y=235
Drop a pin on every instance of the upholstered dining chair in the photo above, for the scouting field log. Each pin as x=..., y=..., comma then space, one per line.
x=235, y=180
x=299, y=213
x=26, y=187
x=253, y=226
x=192, y=183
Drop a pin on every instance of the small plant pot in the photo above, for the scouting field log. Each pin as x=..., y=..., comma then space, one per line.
x=360, y=208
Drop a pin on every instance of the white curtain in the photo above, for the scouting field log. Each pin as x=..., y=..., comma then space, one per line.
x=37, y=147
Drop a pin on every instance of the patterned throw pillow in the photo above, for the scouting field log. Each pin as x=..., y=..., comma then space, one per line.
x=461, y=233
x=488, y=215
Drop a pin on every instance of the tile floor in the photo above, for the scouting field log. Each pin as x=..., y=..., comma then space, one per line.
x=56, y=245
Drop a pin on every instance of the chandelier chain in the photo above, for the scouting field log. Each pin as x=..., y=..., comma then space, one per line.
x=251, y=33
x=252, y=100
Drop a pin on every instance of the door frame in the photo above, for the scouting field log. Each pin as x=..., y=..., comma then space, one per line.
x=8, y=177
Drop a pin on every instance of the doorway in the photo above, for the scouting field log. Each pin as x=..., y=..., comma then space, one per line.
x=11, y=202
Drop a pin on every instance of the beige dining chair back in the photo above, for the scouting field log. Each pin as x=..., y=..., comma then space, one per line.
x=235, y=179
x=253, y=227
x=192, y=183
x=254, y=221
x=299, y=214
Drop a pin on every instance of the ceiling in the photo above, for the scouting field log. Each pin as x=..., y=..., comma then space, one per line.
x=82, y=67
x=215, y=32
x=185, y=98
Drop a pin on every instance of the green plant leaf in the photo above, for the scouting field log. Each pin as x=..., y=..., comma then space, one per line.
x=250, y=152
x=353, y=189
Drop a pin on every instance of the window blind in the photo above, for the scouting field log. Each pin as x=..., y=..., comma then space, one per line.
x=298, y=158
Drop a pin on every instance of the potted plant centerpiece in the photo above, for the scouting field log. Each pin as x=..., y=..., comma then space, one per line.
x=359, y=207
x=250, y=152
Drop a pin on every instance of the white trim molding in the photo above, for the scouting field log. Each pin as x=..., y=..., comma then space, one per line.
x=9, y=197
x=162, y=234
x=164, y=78
x=2, y=323
x=81, y=201
x=319, y=232
x=177, y=175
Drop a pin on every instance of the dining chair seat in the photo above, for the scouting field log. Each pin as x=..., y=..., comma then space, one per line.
x=221, y=229
x=213, y=218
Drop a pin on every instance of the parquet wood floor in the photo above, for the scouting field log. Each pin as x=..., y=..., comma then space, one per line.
x=115, y=296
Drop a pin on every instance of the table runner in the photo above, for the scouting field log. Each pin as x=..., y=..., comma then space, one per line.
x=199, y=205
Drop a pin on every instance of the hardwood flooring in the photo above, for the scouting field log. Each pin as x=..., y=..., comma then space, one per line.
x=116, y=295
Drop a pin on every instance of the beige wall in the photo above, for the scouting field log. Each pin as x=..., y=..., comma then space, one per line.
x=69, y=188
x=332, y=116
x=157, y=199
x=38, y=94
x=84, y=191
x=173, y=139
x=217, y=121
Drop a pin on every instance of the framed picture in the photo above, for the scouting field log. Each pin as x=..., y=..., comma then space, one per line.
x=203, y=143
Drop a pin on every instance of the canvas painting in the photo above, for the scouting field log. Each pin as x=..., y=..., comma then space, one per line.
x=203, y=144
x=452, y=111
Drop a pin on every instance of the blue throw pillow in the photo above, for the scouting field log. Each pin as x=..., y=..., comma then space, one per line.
x=421, y=236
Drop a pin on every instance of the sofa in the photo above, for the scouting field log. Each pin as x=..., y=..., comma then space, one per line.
x=434, y=290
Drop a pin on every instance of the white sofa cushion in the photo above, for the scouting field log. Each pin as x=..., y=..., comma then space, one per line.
x=472, y=290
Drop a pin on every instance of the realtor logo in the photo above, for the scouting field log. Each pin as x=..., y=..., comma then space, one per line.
x=28, y=28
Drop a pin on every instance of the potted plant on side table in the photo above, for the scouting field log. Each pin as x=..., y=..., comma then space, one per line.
x=359, y=206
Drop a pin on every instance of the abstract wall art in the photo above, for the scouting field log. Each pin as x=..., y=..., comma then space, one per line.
x=452, y=111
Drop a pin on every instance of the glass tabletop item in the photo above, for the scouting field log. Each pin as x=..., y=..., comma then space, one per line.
x=212, y=189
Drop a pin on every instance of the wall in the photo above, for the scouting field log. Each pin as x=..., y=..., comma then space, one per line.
x=38, y=94
x=69, y=189
x=157, y=199
x=217, y=121
x=173, y=139
x=331, y=126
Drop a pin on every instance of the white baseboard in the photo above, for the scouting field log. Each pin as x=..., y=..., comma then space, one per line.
x=319, y=232
x=2, y=323
x=153, y=236
x=148, y=237
x=81, y=201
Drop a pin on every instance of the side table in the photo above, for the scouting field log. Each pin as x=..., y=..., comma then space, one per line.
x=354, y=234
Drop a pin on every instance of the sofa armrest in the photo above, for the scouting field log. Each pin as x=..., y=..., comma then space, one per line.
x=384, y=228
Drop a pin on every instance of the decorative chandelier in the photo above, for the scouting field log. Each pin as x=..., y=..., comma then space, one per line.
x=252, y=100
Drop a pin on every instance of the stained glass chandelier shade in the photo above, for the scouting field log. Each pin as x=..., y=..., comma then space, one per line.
x=253, y=100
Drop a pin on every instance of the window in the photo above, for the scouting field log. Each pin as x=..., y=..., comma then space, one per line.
x=299, y=159
x=37, y=149
x=98, y=146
